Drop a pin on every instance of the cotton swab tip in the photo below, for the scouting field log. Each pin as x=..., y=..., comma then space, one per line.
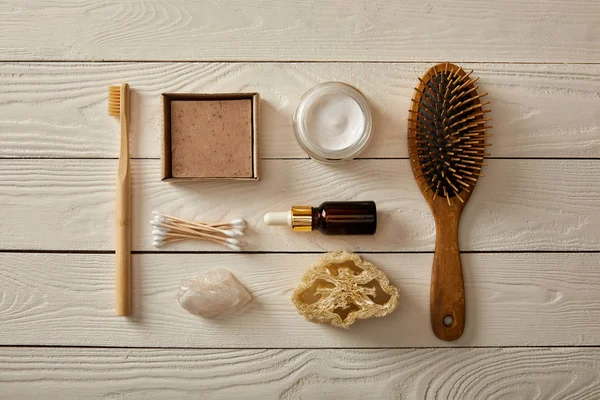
x=159, y=235
x=158, y=243
x=233, y=232
x=234, y=247
x=237, y=242
x=238, y=222
x=162, y=219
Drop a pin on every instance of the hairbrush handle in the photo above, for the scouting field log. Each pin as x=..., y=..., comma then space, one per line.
x=123, y=215
x=447, y=288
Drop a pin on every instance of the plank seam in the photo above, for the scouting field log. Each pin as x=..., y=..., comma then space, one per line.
x=36, y=61
x=91, y=252
x=299, y=158
x=587, y=346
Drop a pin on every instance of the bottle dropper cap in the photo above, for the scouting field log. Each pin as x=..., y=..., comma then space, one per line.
x=299, y=218
x=278, y=218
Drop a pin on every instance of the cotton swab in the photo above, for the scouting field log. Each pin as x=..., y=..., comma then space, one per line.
x=192, y=231
x=168, y=229
x=237, y=224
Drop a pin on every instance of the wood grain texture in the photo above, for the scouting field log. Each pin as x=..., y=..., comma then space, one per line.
x=512, y=299
x=382, y=30
x=431, y=374
x=519, y=205
x=59, y=109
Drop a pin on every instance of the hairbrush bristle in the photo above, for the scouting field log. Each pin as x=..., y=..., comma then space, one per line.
x=447, y=132
x=114, y=101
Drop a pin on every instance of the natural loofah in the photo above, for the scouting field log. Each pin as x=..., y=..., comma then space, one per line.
x=342, y=287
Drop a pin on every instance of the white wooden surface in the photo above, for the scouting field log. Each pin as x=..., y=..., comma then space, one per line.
x=531, y=229
x=432, y=374
x=530, y=120
x=513, y=299
x=330, y=30
x=520, y=205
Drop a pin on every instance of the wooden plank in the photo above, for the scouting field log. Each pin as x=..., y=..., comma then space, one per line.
x=59, y=109
x=520, y=205
x=512, y=300
x=541, y=373
x=384, y=30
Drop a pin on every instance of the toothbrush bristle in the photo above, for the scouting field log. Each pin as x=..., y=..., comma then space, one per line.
x=114, y=101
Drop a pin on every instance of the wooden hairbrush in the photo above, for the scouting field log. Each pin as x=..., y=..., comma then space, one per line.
x=446, y=144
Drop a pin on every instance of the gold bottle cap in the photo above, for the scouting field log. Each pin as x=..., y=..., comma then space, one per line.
x=301, y=218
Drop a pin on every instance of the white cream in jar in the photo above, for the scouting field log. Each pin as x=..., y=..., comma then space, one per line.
x=333, y=122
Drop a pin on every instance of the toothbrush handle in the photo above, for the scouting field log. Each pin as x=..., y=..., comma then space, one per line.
x=123, y=245
x=123, y=216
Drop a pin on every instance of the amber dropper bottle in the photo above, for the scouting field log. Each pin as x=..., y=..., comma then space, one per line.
x=330, y=218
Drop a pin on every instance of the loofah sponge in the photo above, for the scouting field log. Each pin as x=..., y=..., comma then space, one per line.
x=342, y=287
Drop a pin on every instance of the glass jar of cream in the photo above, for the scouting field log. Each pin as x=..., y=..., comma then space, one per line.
x=333, y=122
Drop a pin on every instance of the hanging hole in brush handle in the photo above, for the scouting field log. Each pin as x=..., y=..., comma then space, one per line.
x=447, y=287
x=448, y=320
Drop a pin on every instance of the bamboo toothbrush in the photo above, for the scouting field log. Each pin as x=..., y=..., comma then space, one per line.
x=446, y=143
x=118, y=106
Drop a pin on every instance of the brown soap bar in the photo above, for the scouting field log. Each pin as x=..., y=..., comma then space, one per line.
x=211, y=138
